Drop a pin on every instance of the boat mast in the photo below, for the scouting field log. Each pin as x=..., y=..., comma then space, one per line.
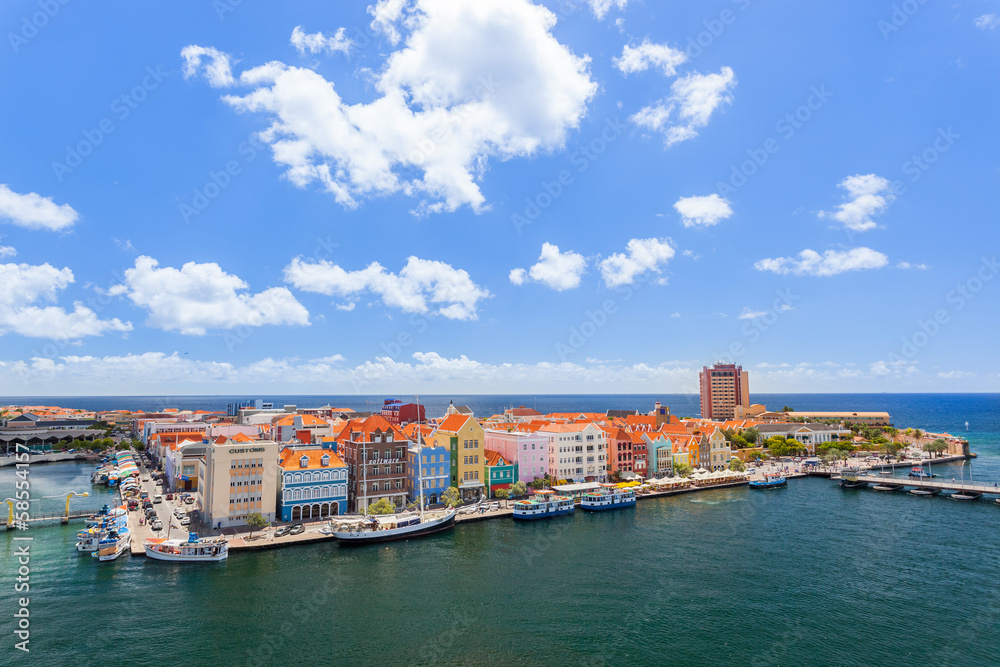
x=420, y=464
x=364, y=476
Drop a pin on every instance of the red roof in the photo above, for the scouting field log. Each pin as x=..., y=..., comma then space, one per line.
x=453, y=423
x=494, y=458
x=291, y=459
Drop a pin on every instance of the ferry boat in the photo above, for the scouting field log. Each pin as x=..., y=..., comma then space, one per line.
x=608, y=497
x=194, y=549
x=542, y=505
x=390, y=527
x=849, y=479
x=772, y=480
x=112, y=546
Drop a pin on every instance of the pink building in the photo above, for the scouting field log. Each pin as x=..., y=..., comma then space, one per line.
x=530, y=450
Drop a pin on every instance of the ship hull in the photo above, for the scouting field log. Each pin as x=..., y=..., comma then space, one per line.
x=393, y=534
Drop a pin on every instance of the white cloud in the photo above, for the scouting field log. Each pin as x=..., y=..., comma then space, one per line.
x=556, y=270
x=642, y=255
x=385, y=14
x=692, y=101
x=198, y=297
x=987, y=21
x=472, y=81
x=601, y=7
x=675, y=315
x=956, y=375
x=317, y=42
x=907, y=265
x=748, y=314
x=703, y=211
x=160, y=373
x=870, y=195
x=34, y=211
x=830, y=263
x=420, y=283
x=219, y=69
x=649, y=54
x=7, y=251
x=24, y=285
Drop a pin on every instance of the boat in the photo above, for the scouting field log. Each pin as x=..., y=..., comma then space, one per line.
x=389, y=527
x=542, y=505
x=608, y=497
x=966, y=495
x=193, y=549
x=887, y=487
x=112, y=546
x=849, y=479
x=772, y=480
x=918, y=471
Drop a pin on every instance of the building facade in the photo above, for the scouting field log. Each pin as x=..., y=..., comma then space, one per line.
x=240, y=477
x=465, y=438
x=428, y=467
x=313, y=483
x=577, y=452
x=723, y=387
x=500, y=472
x=375, y=452
x=529, y=450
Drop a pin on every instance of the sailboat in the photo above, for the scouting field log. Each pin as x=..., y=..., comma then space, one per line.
x=390, y=527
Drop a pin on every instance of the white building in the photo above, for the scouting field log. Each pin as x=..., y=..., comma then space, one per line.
x=240, y=477
x=577, y=452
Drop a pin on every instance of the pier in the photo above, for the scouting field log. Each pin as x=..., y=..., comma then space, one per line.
x=926, y=484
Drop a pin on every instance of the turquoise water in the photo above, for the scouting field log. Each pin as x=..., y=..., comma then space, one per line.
x=807, y=575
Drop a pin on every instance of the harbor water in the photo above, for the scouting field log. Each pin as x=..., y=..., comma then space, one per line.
x=806, y=575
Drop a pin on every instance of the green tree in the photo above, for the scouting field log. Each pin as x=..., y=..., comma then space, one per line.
x=936, y=447
x=518, y=489
x=504, y=495
x=917, y=433
x=256, y=521
x=737, y=465
x=777, y=445
x=787, y=409
x=450, y=496
x=890, y=448
x=751, y=435
x=381, y=506
x=682, y=469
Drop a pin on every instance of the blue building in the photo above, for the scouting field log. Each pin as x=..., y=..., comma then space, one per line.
x=313, y=483
x=434, y=464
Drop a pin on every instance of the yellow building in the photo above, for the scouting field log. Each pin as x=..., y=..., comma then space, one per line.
x=240, y=477
x=465, y=439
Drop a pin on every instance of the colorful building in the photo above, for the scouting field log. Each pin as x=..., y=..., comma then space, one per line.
x=465, y=438
x=375, y=452
x=723, y=387
x=530, y=451
x=500, y=473
x=238, y=479
x=313, y=483
x=577, y=451
x=432, y=463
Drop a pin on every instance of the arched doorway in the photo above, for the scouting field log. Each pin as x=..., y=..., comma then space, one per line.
x=296, y=513
x=315, y=512
x=334, y=509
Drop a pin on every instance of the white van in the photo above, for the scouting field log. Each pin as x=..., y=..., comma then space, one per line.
x=157, y=498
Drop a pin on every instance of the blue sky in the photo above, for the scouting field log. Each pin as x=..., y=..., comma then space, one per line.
x=589, y=196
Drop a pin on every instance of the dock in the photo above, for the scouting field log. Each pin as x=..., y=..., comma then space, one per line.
x=927, y=484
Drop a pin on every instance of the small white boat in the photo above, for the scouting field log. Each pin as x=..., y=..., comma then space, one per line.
x=112, y=546
x=542, y=505
x=608, y=497
x=193, y=549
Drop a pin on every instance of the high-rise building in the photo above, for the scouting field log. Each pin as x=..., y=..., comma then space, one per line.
x=723, y=387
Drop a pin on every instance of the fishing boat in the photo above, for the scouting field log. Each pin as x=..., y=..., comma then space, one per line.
x=918, y=471
x=390, y=527
x=112, y=546
x=542, y=505
x=608, y=497
x=193, y=549
x=772, y=480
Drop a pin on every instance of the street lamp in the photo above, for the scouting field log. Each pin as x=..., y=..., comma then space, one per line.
x=82, y=494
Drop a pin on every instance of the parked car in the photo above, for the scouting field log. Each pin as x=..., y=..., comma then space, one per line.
x=170, y=496
x=297, y=529
x=157, y=498
x=282, y=531
x=189, y=500
x=185, y=521
x=494, y=506
x=156, y=525
x=178, y=512
x=145, y=479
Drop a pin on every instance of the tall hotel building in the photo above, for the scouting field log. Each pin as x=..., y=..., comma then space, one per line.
x=723, y=387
